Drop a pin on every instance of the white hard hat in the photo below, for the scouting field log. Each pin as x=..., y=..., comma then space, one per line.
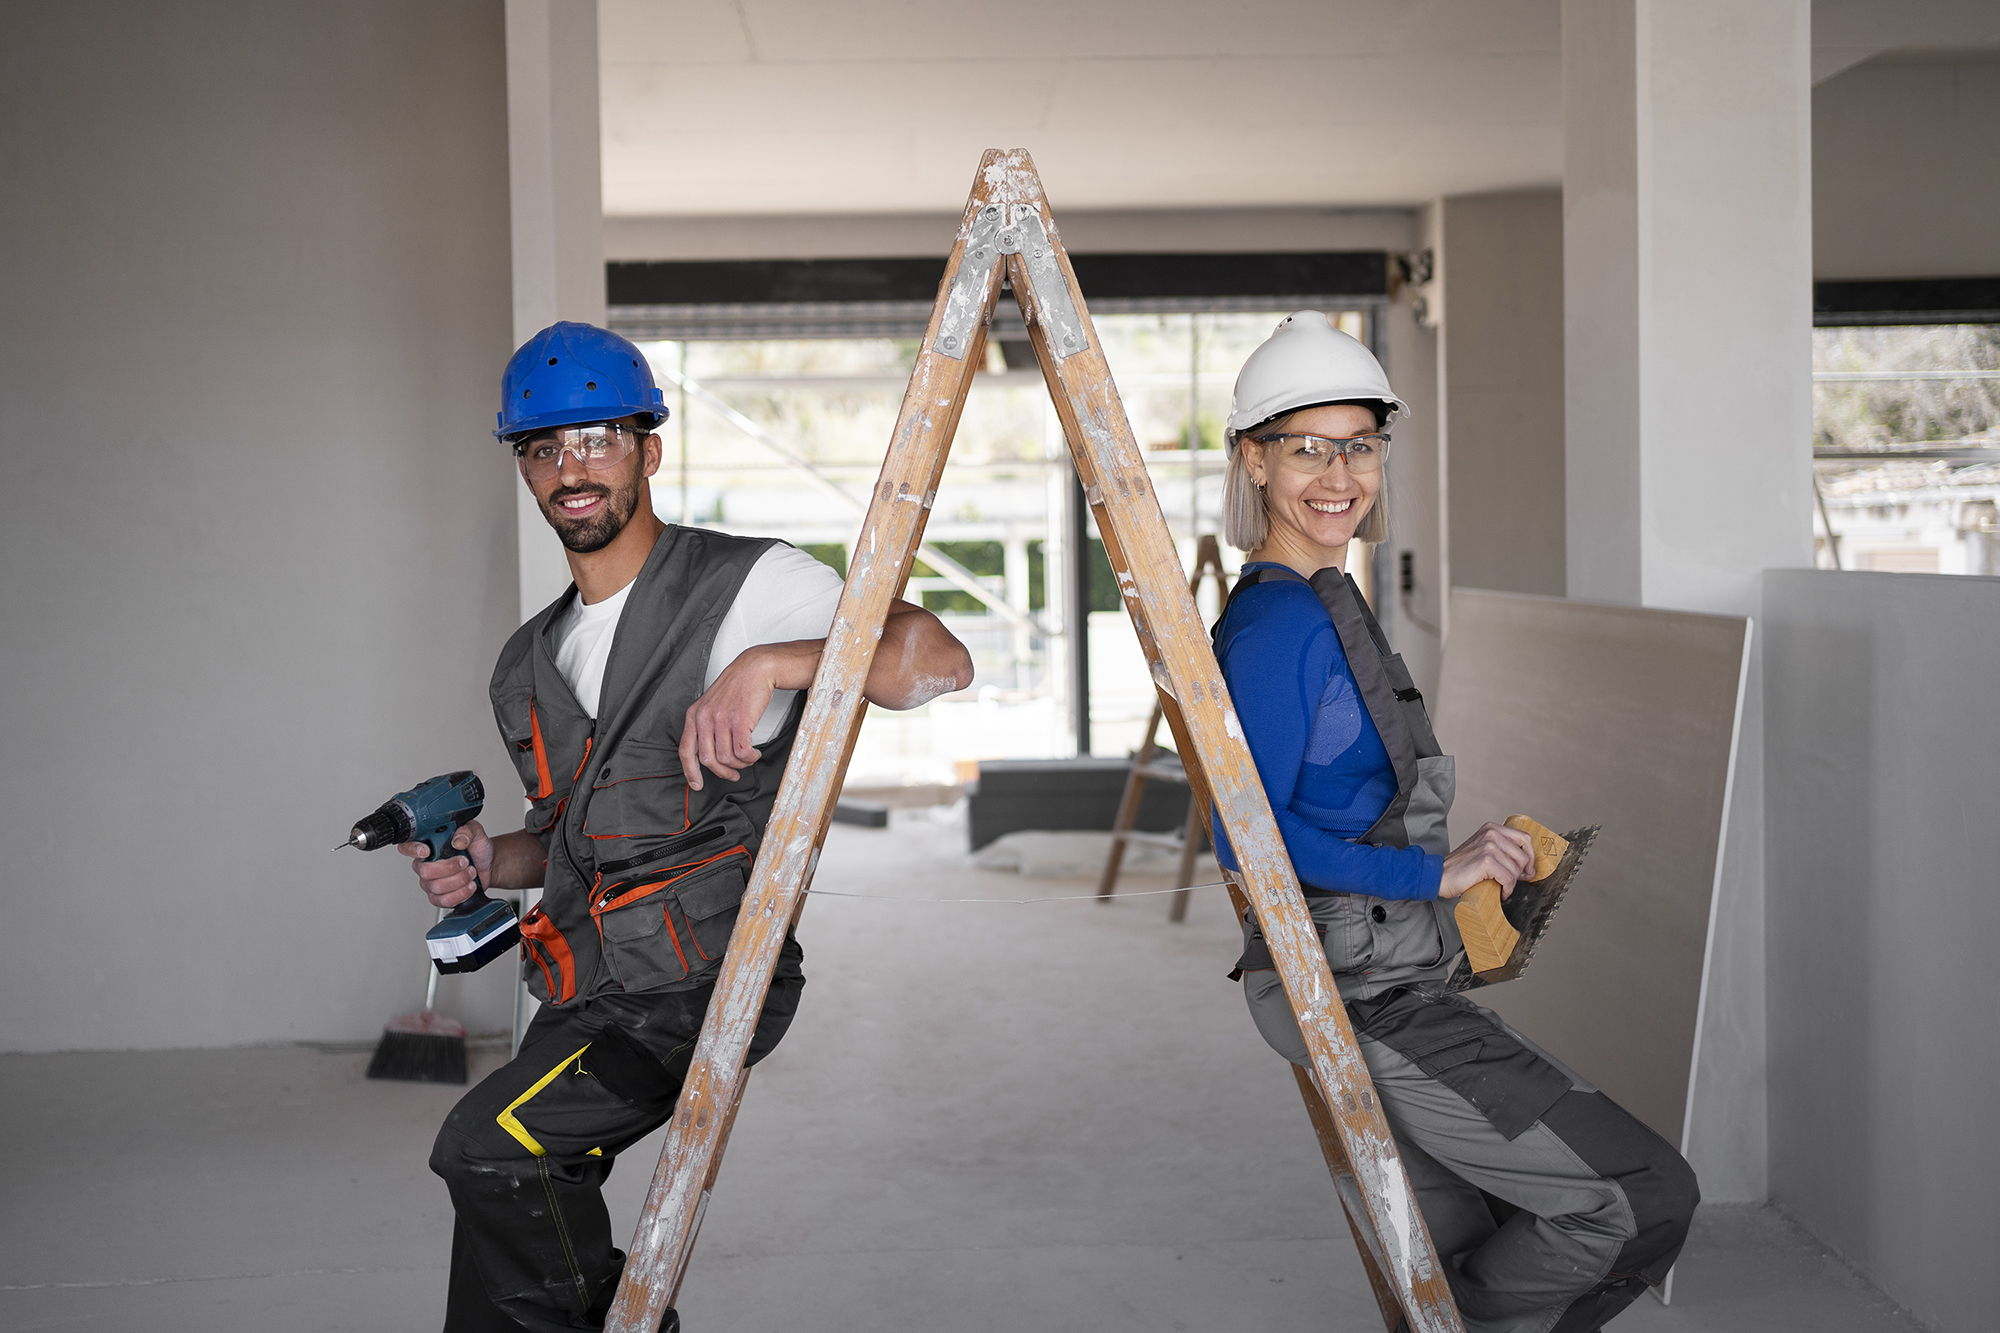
x=1306, y=362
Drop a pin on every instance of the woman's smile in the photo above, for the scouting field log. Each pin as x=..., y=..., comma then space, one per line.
x=1323, y=521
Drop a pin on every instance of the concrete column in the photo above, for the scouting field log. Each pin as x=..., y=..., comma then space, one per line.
x=558, y=214
x=1015, y=549
x=1415, y=620
x=555, y=179
x=1687, y=262
x=1057, y=585
x=1687, y=245
x=1498, y=293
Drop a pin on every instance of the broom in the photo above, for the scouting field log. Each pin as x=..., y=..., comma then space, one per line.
x=424, y=1047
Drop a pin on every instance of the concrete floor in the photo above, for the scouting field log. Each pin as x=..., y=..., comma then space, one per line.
x=987, y=1117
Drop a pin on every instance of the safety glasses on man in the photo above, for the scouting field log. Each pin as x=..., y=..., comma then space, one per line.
x=599, y=447
x=1314, y=454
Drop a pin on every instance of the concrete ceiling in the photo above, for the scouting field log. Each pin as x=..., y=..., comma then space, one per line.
x=799, y=106
x=804, y=107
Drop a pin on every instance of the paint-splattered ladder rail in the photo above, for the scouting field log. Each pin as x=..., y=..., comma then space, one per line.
x=1008, y=231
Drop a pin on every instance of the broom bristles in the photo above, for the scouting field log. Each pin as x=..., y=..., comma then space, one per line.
x=424, y=1047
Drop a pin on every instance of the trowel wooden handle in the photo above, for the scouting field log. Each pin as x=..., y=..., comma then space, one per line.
x=1482, y=918
x=1549, y=847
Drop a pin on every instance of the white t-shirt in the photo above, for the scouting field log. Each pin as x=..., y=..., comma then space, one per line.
x=787, y=595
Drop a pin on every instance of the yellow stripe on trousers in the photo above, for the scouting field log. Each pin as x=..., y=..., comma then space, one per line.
x=507, y=1120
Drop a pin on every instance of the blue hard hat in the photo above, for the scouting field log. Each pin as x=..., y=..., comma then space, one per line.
x=570, y=374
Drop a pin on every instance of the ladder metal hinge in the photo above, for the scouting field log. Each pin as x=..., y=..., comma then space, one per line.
x=1027, y=237
x=965, y=303
x=999, y=230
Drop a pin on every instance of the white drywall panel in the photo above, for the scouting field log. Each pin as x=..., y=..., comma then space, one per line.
x=1884, y=904
x=259, y=546
x=1574, y=714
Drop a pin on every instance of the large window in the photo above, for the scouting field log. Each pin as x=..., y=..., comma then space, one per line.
x=783, y=438
x=1906, y=454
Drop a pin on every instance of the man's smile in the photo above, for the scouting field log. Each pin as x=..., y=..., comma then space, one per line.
x=582, y=505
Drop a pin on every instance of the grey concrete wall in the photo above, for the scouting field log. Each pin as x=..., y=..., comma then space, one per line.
x=259, y=545
x=1906, y=169
x=1883, y=899
x=1501, y=270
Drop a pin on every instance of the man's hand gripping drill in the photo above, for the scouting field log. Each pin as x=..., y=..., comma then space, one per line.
x=450, y=877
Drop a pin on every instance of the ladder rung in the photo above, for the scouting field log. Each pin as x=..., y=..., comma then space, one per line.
x=1170, y=841
x=1164, y=772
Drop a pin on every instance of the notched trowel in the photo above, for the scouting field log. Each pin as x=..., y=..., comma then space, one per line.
x=1500, y=935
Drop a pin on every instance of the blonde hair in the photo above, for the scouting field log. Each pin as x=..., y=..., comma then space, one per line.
x=1246, y=521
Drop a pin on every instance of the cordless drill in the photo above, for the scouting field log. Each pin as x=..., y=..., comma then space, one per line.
x=479, y=929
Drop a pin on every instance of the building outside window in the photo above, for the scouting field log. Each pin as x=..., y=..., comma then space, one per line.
x=1906, y=450
x=784, y=437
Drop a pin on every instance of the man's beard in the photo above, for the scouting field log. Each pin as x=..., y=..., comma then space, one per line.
x=585, y=535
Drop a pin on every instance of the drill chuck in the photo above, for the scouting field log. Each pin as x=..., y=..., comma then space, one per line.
x=386, y=827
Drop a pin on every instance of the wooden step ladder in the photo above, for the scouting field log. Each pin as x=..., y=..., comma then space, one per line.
x=1148, y=766
x=1007, y=231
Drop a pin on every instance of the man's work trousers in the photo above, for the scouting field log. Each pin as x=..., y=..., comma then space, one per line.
x=526, y=1152
x=1552, y=1207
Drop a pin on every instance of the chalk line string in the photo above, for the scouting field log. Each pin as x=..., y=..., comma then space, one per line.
x=1014, y=902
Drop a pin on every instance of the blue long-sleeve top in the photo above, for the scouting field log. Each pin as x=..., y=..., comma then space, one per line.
x=1321, y=760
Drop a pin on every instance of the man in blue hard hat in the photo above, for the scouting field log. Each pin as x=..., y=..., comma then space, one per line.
x=649, y=710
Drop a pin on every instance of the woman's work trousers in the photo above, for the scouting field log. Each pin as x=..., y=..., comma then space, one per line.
x=526, y=1152
x=1551, y=1206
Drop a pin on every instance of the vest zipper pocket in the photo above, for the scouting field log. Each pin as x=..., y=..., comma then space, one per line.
x=665, y=925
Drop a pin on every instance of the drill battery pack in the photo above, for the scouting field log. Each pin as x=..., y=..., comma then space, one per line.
x=466, y=941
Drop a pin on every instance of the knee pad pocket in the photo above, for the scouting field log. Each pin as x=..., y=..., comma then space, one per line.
x=630, y=1071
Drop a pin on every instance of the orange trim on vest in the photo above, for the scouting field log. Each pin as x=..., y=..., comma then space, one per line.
x=547, y=784
x=563, y=804
x=542, y=942
x=673, y=938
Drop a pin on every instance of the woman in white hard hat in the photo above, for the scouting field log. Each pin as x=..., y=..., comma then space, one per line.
x=1550, y=1205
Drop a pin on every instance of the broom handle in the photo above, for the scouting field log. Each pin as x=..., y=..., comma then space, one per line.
x=431, y=974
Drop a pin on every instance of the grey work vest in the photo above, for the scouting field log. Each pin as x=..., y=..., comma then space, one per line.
x=1376, y=944
x=644, y=876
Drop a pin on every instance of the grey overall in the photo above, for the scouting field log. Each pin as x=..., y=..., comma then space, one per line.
x=1550, y=1204
x=640, y=893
